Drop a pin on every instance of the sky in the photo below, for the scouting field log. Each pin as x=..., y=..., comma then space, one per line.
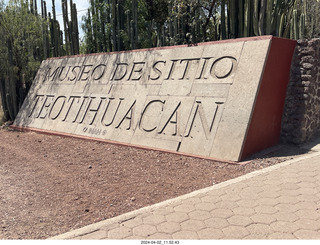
x=81, y=8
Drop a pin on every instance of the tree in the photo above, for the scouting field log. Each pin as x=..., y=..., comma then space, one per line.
x=21, y=51
x=26, y=41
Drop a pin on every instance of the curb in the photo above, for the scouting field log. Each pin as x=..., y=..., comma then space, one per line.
x=119, y=219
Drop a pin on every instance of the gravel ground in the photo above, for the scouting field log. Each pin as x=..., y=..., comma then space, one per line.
x=50, y=185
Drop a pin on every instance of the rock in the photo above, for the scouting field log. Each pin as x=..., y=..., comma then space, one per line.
x=90, y=166
x=133, y=199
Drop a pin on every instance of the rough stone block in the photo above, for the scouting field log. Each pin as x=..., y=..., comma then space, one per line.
x=207, y=100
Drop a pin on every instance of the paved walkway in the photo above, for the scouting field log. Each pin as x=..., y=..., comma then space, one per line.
x=279, y=202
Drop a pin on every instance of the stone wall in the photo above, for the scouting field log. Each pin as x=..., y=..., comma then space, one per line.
x=301, y=118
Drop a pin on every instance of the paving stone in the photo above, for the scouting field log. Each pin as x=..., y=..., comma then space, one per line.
x=190, y=235
x=96, y=235
x=285, y=216
x=308, y=173
x=199, y=215
x=306, y=206
x=281, y=235
x=192, y=225
x=154, y=219
x=217, y=192
x=135, y=238
x=254, y=182
x=263, y=209
x=169, y=227
x=120, y=233
x=231, y=197
x=290, y=172
x=307, y=191
x=186, y=208
x=226, y=204
x=269, y=193
x=164, y=211
x=307, y=224
x=289, y=186
x=292, y=180
x=235, y=232
x=144, y=230
x=206, y=206
x=306, y=179
x=261, y=230
x=288, y=200
x=132, y=222
x=177, y=217
x=255, y=237
x=110, y=226
x=160, y=236
x=244, y=211
x=247, y=203
x=210, y=199
x=272, y=182
x=277, y=175
x=252, y=190
x=307, y=234
x=234, y=189
x=221, y=213
x=246, y=195
x=286, y=207
x=289, y=192
x=268, y=201
x=192, y=200
x=283, y=226
x=240, y=220
x=210, y=233
x=308, y=198
x=263, y=218
x=274, y=188
x=308, y=214
x=203, y=194
x=307, y=185
x=217, y=223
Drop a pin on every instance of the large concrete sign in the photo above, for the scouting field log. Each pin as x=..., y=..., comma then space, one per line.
x=218, y=100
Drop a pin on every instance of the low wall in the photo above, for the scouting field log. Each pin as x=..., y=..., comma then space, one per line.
x=301, y=118
x=221, y=100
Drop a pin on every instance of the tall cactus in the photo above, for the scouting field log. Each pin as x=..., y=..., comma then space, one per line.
x=232, y=18
x=247, y=18
x=74, y=32
x=66, y=25
x=135, y=22
x=269, y=8
x=255, y=17
x=114, y=25
x=302, y=26
x=45, y=38
x=10, y=84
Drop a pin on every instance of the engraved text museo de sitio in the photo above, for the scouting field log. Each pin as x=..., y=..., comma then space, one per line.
x=89, y=110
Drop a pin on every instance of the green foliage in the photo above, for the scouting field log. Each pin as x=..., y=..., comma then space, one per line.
x=131, y=24
x=27, y=38
x=30, y=34
x=20, y=55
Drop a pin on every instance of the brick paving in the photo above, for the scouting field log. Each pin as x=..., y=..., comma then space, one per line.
x=279, y=202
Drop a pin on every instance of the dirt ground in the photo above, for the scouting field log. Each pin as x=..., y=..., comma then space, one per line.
x=50, y=185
